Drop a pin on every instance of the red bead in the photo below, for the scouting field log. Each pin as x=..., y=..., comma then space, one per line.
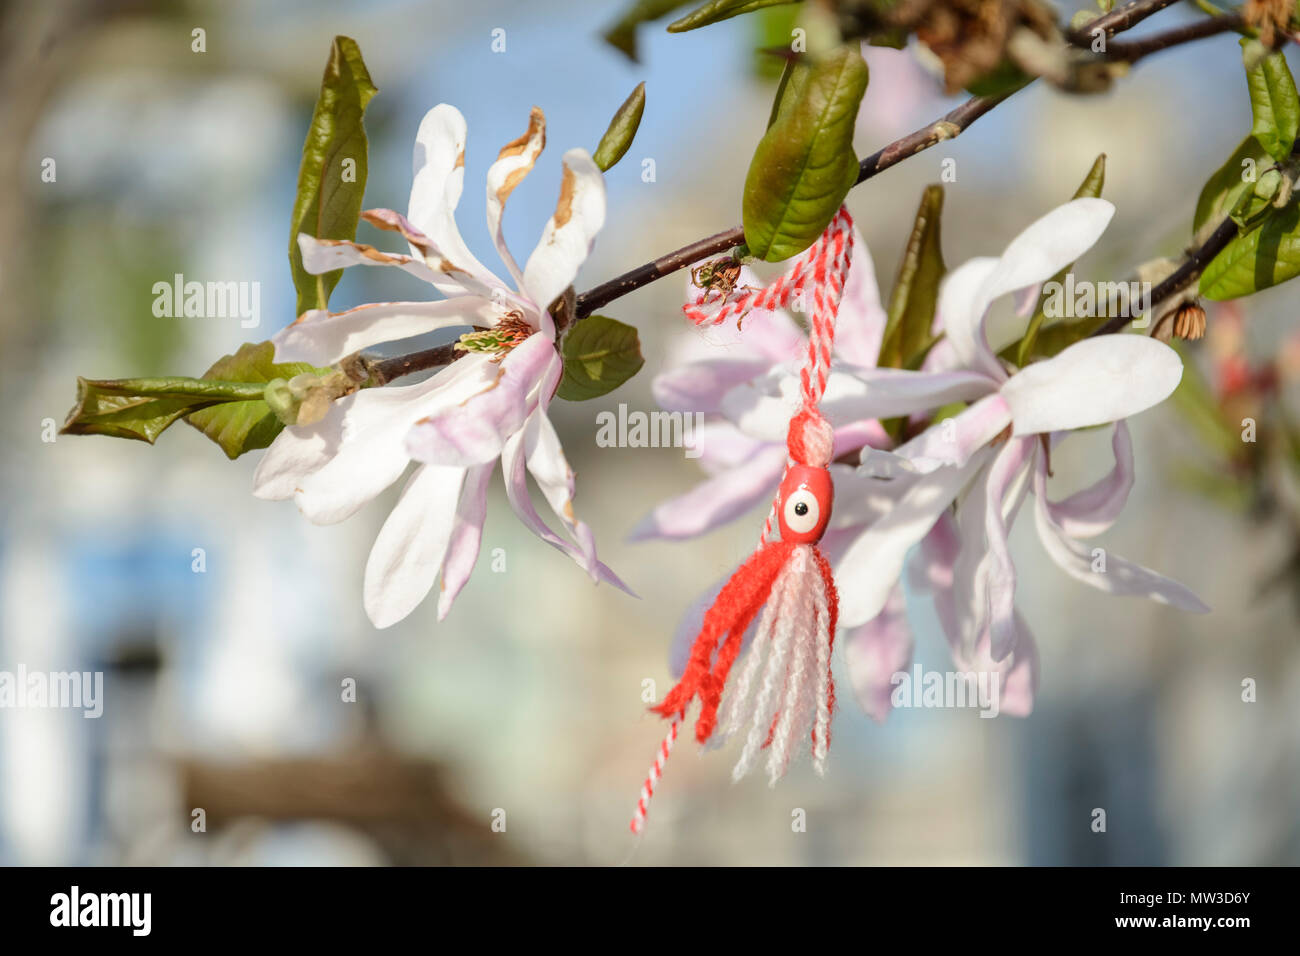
x=803, y=505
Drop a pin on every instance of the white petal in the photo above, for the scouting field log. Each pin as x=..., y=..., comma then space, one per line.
x=297, y=452
x=1120, y=576
x=371, y=450
x=1094, y=509
x=439, y=174
x=872, y=564
x=875, y=652
x=963, y=318
x=1092, y=382
x=514, y=162
x=466, y=534
x=408, y=553
x=570, y=232
x=1005, y=491
x=325, y=255
x=720, y=499
x=550, y=469
x=860, y=324
x=889, y=392
x=322, y=338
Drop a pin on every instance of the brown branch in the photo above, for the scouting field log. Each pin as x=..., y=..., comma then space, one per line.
x=1117, y=21
x=1133, y=50
x=1183, y=276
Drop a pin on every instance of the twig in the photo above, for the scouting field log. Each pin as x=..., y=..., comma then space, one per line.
x=1133, y=50
x=1117, y=21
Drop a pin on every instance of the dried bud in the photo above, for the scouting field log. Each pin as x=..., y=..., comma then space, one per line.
x=1189, y=321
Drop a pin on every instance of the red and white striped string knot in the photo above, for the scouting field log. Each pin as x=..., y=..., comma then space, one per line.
x=811, y=439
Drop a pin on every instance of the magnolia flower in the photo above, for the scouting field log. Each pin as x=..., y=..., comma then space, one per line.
x=491, y=403
x=986, y=458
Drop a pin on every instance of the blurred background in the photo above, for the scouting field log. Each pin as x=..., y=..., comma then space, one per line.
x=228, y=628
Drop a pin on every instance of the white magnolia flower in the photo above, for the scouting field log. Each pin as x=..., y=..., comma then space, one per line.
x=986, y=458
x=488, y=404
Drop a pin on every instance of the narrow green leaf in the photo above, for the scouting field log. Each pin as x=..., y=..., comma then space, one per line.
x=332, y=177
x=916, y=289
x=622, y=33
x=1256, y=260
x=600, y=354
x=622, y=130
x=1273, y=99
x=1090, y=188
x=804, y=165
x=1225, y=187
x=717, y=10
x=143, y=408
x=241, y=426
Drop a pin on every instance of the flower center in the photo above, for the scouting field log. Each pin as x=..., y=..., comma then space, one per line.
x=509, y=332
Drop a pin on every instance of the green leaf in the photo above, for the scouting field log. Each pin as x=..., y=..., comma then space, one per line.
x=1222, y=190
x=1273, y=100
x=716, y=10
x=143, y=408
x=622, y=130
x=1256, y=260
x=600, y=354
x=804, y=165
x=912, y=301
x=241, y=426
x=622, y=33
x=1090, y=188
x=332, y=177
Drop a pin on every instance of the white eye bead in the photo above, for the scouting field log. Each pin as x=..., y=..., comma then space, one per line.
x=801, y=511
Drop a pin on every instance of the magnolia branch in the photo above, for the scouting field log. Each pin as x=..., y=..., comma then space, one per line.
x=947, y=127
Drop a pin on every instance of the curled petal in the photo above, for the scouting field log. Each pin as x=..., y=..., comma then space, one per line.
x=954, y=440
x=466, y=535
x=1112, y=574
x=1094, y=509
x=569, y=233
x=514, y=162
x=325, y=255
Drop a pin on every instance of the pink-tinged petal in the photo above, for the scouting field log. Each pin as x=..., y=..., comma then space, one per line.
x=1004, y=493
x=295, y=454
x=439, y=174
x=370, y=451
x=322, y=338
x=875, y=652
x=860, y=324
x=325, y=255
x=1026, y=299
x=861, y=498
x=474, y=432
x=953, y=440
x=513, y=469
x=550, y=469
x=1020, y=680
x=466, y=535
x=1094, y=509
x=889, y=392
x=770, y=334
x=718, y=500
x=859, y=435
x=1092, y=382
x=763, y=407
x=1120, y=577
x=721, y=446
x=871, y=565
x=963, y=317
x=408, y=553
x=514, y=162
x=700, y=386
x=569, y=233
